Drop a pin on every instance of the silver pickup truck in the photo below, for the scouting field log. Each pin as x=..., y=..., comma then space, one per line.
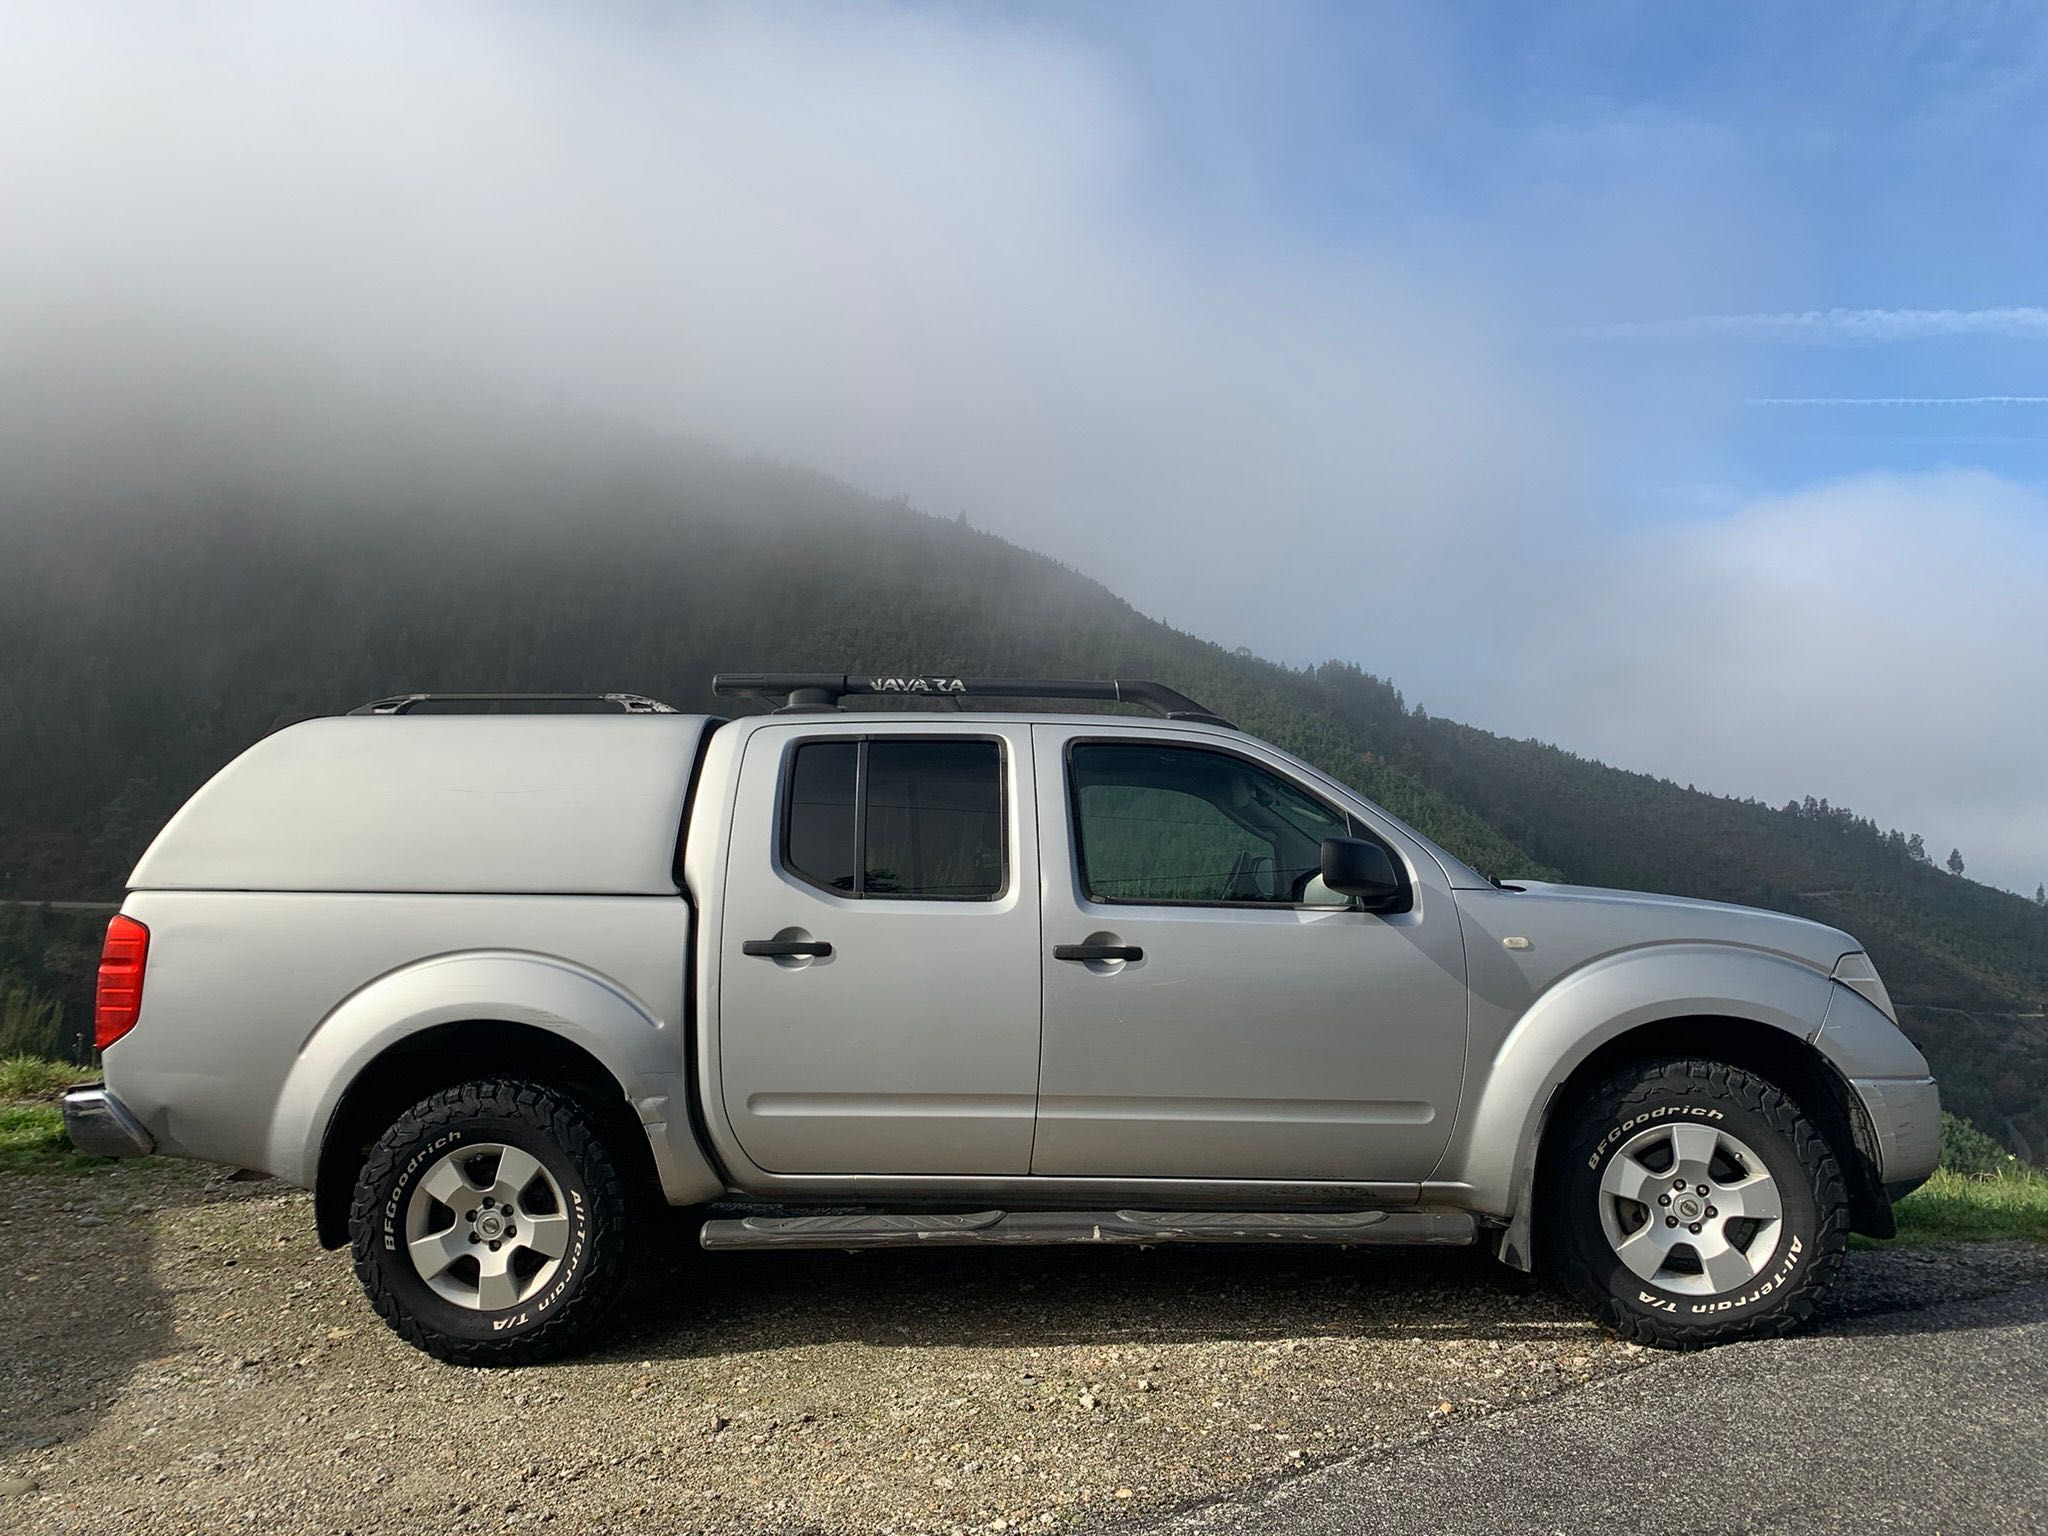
x=490, y=975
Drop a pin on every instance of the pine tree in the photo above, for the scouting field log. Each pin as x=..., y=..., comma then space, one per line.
x=1955, y=861
x=2041, y=895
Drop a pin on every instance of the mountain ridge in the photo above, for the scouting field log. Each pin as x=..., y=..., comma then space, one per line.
x=144, y=640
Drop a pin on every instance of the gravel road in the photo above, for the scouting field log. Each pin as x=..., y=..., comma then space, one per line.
x=176, y=1354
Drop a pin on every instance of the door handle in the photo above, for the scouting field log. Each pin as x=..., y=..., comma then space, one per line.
x=1097, y=952
x=782, y=949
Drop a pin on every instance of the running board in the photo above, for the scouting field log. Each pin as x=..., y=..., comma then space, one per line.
x=910, y=1229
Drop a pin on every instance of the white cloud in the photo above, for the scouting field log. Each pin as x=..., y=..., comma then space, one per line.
x=1878, y=641
x=902, y=248
x=927, y=254
x=1882, y=400
x=1836, y=326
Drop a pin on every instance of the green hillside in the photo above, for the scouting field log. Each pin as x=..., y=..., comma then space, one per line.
x=142, y=646
x=137, y=654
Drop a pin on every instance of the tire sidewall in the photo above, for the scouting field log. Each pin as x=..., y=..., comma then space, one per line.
x=418, y=1144
x=1667, y=1100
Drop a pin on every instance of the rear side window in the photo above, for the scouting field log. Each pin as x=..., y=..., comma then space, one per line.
x=818, y=816
x=897, y=817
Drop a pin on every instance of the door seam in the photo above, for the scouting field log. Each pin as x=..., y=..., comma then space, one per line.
x=1038, y=858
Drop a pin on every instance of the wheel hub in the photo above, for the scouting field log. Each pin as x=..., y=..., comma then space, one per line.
x=1690, y=1208
x=487, y=1227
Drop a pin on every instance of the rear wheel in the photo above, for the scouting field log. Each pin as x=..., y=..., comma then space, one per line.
x=489, y=1223
x=1690, y=1202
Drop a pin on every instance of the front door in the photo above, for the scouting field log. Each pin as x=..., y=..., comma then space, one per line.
x=878, y=963
x=1229, y=1018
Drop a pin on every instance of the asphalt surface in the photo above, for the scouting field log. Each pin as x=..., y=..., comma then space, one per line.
x=1930, y=1421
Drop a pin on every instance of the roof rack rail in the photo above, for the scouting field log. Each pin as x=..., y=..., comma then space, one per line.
x=625, y=703
x=798, y=691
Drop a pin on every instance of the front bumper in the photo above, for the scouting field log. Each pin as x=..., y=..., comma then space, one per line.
x=1905, y=1114
x=102, y=1125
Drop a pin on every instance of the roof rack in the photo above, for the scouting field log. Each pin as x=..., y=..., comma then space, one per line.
x=625, y=703
x=799, y=691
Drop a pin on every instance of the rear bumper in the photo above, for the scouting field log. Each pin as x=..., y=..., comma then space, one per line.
x=1905, y=1113
x=102, y=1125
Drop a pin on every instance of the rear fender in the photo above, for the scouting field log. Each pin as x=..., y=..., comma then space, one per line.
x=584, y=1008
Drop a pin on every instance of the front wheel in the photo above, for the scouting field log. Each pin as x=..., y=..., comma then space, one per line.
x=489, y=1223
x=1691, y=1203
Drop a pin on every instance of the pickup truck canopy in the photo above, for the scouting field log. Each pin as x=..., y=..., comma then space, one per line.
x=516, y=804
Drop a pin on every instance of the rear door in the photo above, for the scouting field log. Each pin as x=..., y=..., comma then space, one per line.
x=908, y=1044
x=1257, y=1027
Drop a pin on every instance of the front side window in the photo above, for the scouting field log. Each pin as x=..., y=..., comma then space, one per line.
x=1182, y=824
x=897, y=817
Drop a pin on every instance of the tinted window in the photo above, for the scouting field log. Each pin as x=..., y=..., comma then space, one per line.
x=927, y=817
x=934, y=819
x=1181, y=824
x=818, y=829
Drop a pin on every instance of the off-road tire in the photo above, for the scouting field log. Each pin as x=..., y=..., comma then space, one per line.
x=564, y=1136
x=1579, y=1253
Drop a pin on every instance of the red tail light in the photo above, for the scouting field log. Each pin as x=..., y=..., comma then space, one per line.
x=122, y=958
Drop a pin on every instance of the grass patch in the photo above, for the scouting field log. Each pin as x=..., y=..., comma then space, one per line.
x=32, y=1140
x=1959, y=1207
x=32, y=1077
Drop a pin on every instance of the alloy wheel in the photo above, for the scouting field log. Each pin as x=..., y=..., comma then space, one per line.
x=487, y=1227
x=1691, y=1209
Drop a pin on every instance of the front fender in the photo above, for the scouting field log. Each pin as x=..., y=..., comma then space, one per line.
x=1494, y=1150
x=516, y=987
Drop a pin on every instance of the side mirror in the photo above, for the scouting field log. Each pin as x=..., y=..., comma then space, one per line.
x=1362, y=868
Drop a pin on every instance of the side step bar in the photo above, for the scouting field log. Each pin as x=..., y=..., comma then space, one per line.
x=910, y=1229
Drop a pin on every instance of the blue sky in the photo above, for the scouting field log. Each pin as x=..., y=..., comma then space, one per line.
x=1760, y=254
x=1453, y=340
x=1609, y=173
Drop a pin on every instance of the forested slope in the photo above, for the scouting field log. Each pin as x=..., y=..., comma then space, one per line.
x=136, y=655
x=1949, y=940
x=145, y=639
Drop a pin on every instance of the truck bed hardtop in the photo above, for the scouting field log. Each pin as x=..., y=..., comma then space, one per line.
x=556, y=804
